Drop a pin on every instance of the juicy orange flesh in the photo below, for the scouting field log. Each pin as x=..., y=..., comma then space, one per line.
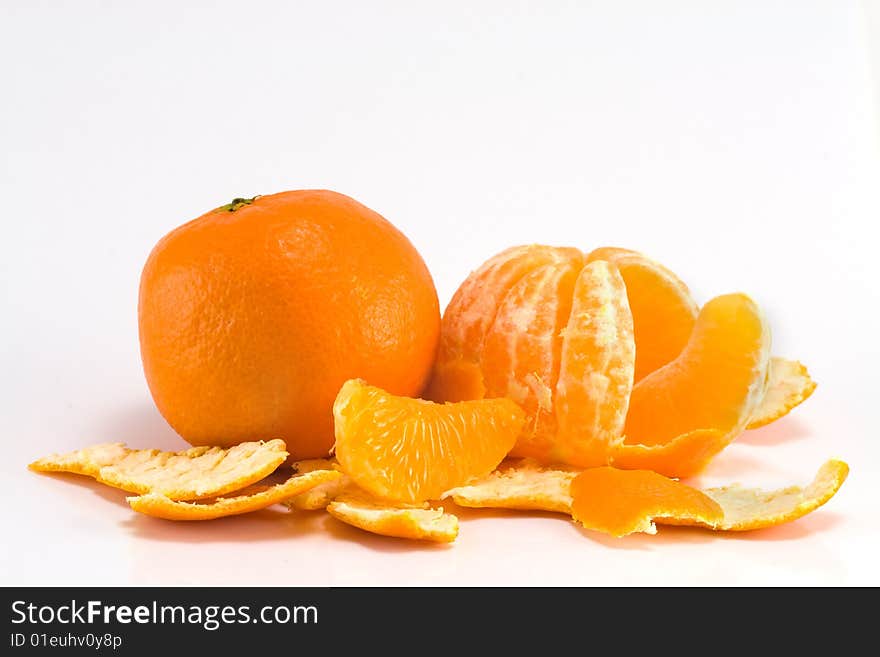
x=609, y=253
x=455, y=381
x=522, y=350
x=620, y=502
x=474, y=305
x=558, y=339
x=663, y=311
x=713, y=384
x=412, y=450
x=596, y=368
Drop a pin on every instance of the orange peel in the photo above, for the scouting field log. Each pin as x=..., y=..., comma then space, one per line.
x=190, y=474
x=683, y=456
x=750, y=508
x=420, y=522
x=317, y=498
x=524, y=485
x=252, y=498
x=621, y=502
x=788, y=385
x=520, y=358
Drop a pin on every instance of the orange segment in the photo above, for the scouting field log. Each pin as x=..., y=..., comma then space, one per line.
x=457, y=380
x=663, y=310
x=251, y=316
x=522, y=349
x=596, y=368
x=473, y=306
x=788, y=385
x=620, y=502
x=412, y=450
x=683, y=456
x=715, y=383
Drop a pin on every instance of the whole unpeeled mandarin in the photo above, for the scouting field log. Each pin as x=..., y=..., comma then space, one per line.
x=253, y=315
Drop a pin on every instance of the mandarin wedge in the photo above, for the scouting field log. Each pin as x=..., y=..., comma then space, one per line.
x=522, y=350
x=473, y=307
x=715, y=383
x=468, y=319
x=412, y=450
x=595, y=370
x=663, y=310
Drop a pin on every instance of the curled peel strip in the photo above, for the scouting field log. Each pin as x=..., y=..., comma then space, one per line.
x=190, y=474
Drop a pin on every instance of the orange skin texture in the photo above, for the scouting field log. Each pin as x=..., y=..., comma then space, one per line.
x=250, y=320
x=596, y=368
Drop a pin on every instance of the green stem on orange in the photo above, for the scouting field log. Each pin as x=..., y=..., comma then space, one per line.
x=236, y=204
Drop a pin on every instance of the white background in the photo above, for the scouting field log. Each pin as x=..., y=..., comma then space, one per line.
x=734, y=141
